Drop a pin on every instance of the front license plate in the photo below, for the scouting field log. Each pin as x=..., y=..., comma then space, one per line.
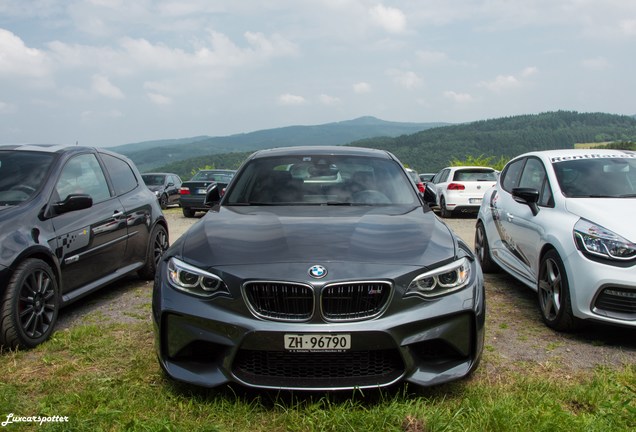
x=474, y=200
x=317, y=342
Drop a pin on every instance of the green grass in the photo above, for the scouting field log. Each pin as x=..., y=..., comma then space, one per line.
x=106, y=378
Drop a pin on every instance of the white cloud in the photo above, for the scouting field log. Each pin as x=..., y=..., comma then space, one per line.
x=390, y=19
x=597, y=63
x=406, y=79
x=362, y=87
x=290, y=99
x=104, y=87
x=628, y=27
x=529, y=71
x=508, y=82
x=274, y=46
x=159, y=99
x=458, y=97
x=329, y=100
x=6, y=108
x=431, y=57
x=90, y=115
x=18, y=59
x=501, y=83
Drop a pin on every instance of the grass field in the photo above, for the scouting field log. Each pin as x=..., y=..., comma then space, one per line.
x=106, y=378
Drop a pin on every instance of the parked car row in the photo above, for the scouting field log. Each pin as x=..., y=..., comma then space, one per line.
x=316, y=268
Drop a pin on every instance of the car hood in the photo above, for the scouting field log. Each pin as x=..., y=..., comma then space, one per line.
x=611, y=213
x=260, y=235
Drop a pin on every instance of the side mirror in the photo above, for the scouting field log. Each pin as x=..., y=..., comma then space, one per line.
x=527, y=196
x=212, y=196
x=73, y=202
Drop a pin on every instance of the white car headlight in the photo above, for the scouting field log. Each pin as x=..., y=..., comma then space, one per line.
x=193, y=280
x=596, y=241
x=444, y=280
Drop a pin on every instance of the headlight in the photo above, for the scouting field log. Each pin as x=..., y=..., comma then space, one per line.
x=444, y=280
x=157, y=193
x=192, y=280
x=596, y=241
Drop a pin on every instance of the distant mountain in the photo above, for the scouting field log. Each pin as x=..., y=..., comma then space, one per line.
x=434, y=148
x=152, y=154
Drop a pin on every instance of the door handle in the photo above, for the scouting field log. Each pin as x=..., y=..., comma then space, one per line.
x=510, y=217
x=118, y=214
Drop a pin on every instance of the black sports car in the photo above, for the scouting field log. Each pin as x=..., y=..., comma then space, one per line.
x=72, y=220
x=320, y=269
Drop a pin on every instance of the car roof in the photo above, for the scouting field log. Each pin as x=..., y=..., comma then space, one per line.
x=565, y=154
x=217, y=170
x=321, y=150
x=458, y=167
x=47, y=148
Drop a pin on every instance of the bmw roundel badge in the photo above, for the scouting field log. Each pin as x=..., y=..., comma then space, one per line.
x=317, y=272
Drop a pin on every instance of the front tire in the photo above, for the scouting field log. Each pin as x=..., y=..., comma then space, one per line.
x=554, y=294
x=163, y=201
x=482, y=250
x=157, y=246
x=30, y=305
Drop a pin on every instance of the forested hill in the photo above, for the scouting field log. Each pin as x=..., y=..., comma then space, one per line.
x=433, y=149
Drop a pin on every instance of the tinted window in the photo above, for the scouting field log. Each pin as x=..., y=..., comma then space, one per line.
x=83, y=175
x=121, y=174
x=534, y=177
x=153, y=179
x=21, y=174
x=217, y=176
x=511, y=174
x=475, y=174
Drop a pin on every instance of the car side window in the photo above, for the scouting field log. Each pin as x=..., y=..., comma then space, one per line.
x=83, y=175
x=511, y=174
x=534, y=176
x=121, y=174
x=444, y=176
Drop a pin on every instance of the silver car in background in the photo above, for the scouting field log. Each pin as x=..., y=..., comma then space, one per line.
x=561, y=222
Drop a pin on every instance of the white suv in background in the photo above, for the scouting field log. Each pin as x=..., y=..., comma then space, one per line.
x=460, y=189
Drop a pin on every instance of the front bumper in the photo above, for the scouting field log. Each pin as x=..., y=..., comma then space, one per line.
x=602, y=292
x=213, y=342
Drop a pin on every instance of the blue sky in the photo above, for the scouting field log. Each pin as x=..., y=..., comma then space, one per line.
x=110, y=72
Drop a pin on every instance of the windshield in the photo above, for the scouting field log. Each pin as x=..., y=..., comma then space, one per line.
x=217, y=176
x=21, y=175
x=321, y=179
x=611, y=177
x=153, y=179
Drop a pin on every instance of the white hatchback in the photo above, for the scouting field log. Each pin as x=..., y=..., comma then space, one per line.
x=459, y=189
x=561, y=222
